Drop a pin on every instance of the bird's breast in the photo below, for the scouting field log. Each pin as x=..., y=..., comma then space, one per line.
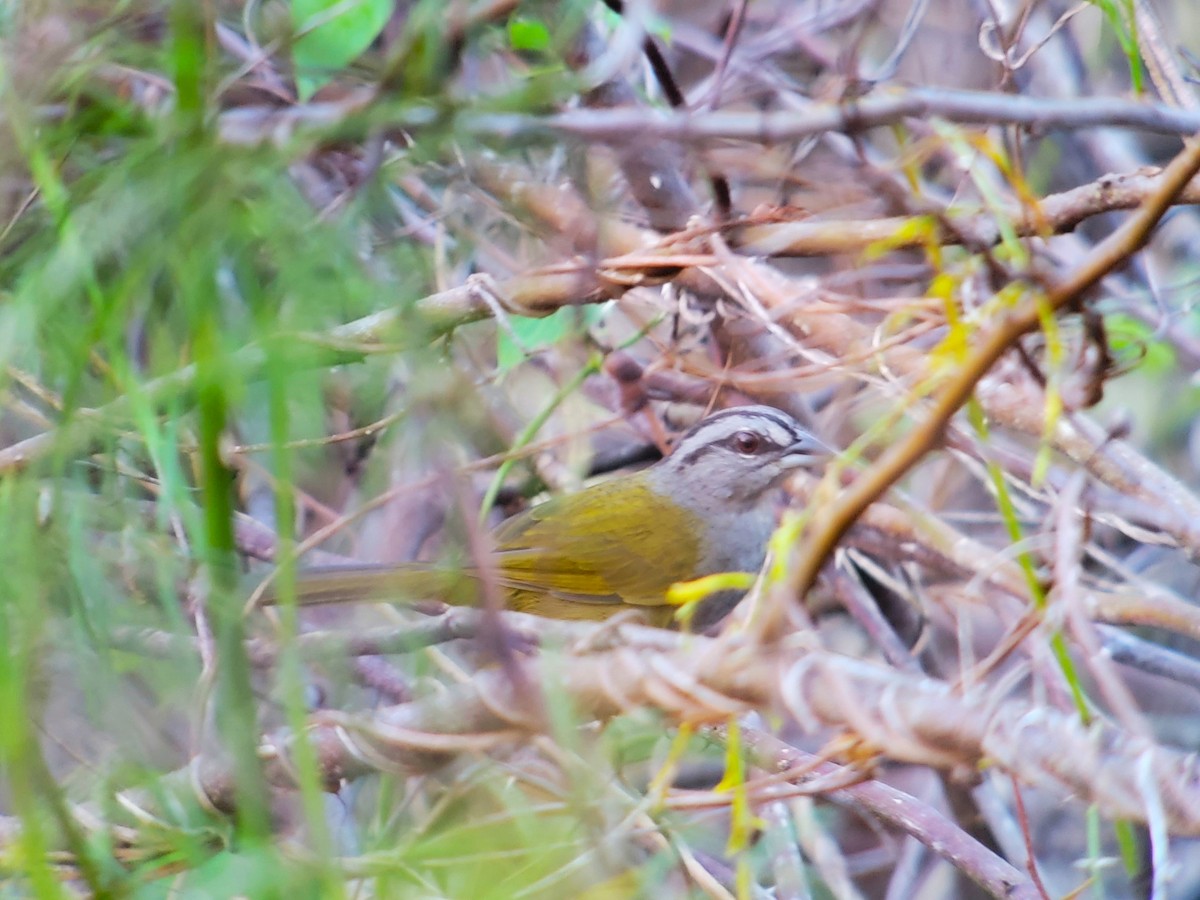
x=738, y=543
x=732, y=536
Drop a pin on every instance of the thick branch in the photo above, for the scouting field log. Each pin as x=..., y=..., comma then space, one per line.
x=314, y=122
x=831, y=521
x=913, y=719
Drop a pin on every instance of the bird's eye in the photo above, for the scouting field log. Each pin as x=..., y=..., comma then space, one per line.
x=747, y=442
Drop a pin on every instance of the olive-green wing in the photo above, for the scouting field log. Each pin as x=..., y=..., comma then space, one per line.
x=614, y=542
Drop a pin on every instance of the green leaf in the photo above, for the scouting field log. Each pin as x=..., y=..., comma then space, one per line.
x=532, y=335
x=330, y=35
x=1120, y=16
x=528, y=34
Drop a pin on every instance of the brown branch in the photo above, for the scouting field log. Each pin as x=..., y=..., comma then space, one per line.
x=383, y=640
x=631, y=256
x=831, y=521
x=899, y=810
x=301, y=126
x=1055, y=214
x=913, y=719
x=454, y=623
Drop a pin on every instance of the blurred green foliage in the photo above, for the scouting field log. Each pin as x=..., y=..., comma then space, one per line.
x=331, y=34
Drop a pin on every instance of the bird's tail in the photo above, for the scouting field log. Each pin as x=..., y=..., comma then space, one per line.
x=380, y=581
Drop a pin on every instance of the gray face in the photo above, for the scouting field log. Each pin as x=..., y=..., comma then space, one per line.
x=737, y=456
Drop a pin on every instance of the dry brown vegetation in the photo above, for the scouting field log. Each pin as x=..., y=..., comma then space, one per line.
x=511, y=246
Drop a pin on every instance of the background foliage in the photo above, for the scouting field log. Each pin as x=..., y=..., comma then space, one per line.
x=304, y=282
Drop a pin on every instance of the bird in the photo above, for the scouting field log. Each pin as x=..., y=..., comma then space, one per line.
x=706, y=508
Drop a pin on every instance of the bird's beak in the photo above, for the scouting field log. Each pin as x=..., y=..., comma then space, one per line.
x=806, y=452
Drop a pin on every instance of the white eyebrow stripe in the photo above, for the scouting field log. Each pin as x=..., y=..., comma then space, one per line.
x=725, y=425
